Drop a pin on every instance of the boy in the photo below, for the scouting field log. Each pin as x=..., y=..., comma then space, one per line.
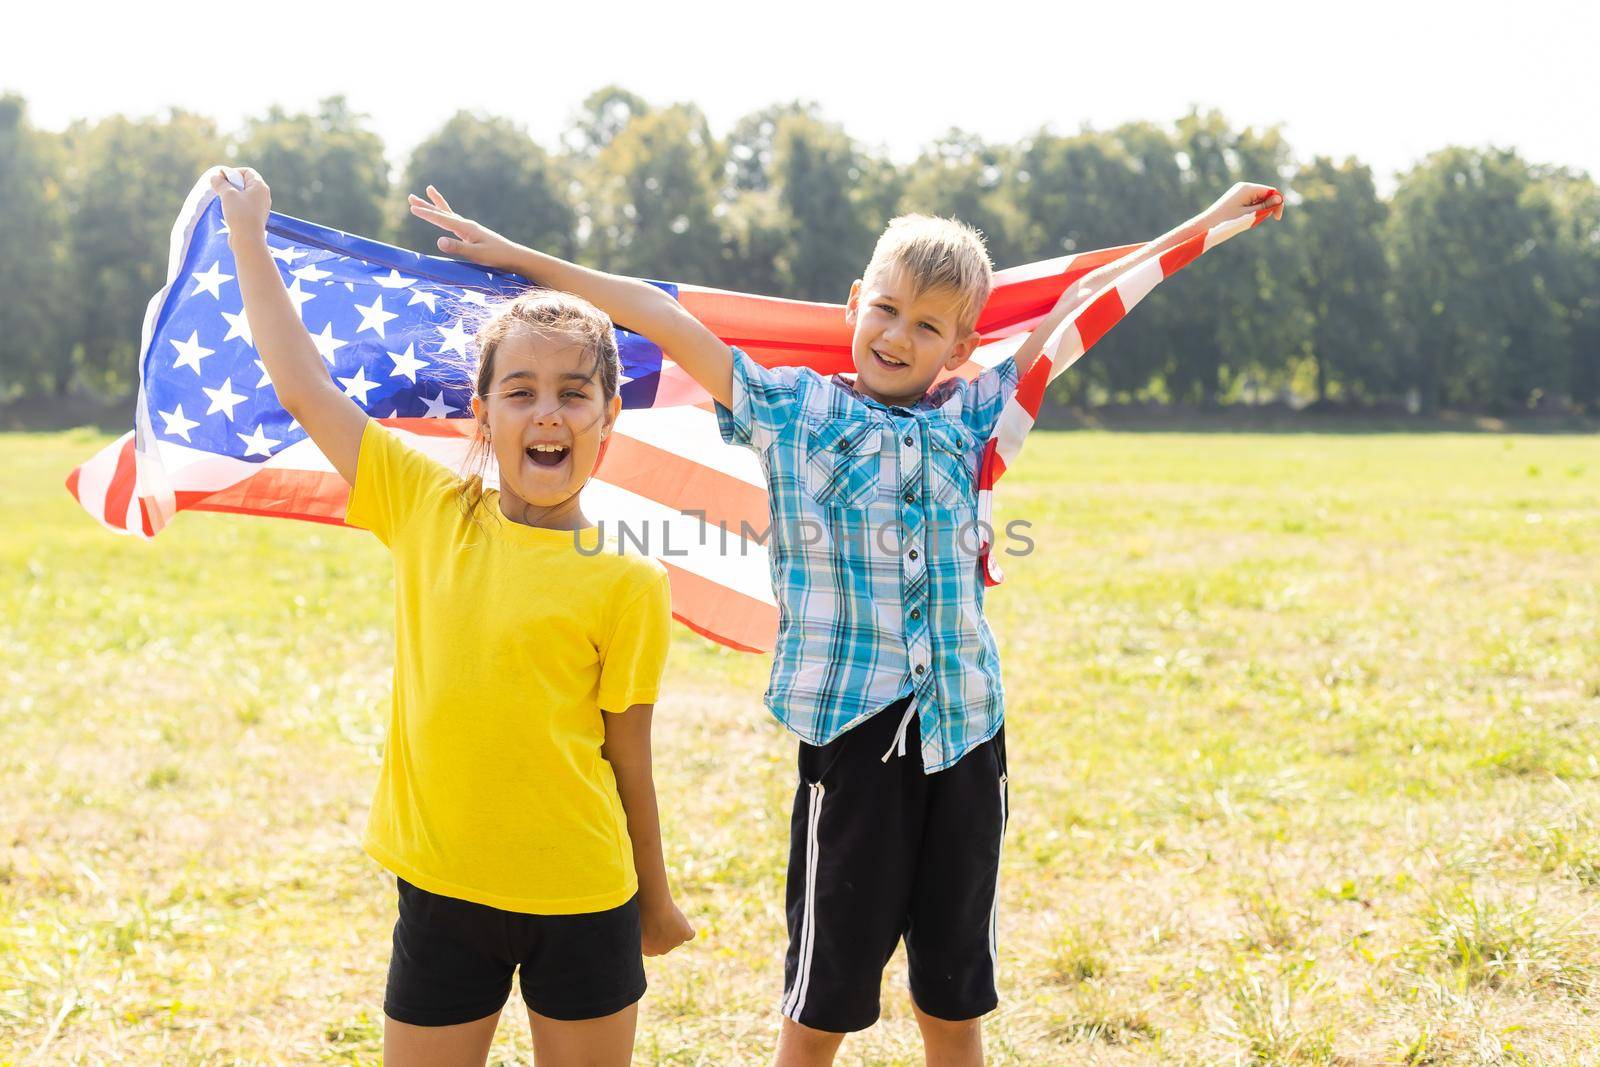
x=882, y=646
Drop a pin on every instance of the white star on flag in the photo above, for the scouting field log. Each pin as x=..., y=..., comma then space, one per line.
x=285, y=254
x=327, y=344
x=406, y=363
x=223, y=400
x=311, y=273
x=423, y=296
x=266, y=379
x=238, y=326
x=300, y=296
x=210, y=281
x=358, y=384
x=454, y=338
x=437, y=408
x=257, y=443
x=373, y=316
x=191, y=352
x=472, y=296
x=177, y=425
x=394, y=280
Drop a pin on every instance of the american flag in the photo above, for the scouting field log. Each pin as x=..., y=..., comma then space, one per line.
x=395, y=330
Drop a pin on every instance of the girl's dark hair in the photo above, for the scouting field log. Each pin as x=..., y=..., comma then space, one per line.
x=549, y=315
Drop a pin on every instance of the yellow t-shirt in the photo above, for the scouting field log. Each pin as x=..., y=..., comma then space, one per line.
x=509, y=642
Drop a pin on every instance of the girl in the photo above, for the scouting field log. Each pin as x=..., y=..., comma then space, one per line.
x=515, y=804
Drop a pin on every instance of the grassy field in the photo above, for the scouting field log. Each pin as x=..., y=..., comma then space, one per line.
x=1303, y=751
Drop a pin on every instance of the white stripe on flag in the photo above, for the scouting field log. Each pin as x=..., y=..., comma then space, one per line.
x=694, y=545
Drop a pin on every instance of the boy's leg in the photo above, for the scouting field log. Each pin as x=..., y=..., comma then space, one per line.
x=852, y=852
x=951, y=943
x=950, y=1044
x=602, y=1042
x=801, y=1046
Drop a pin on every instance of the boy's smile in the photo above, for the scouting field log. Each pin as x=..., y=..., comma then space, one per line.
x=903, y=338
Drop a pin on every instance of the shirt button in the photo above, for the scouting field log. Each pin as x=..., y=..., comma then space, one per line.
x=920, y=668
x=916, y=613
x=911, y=498
x=910, y=440
x=913, y=553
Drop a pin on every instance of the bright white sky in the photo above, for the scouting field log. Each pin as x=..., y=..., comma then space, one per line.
x=1387, y=82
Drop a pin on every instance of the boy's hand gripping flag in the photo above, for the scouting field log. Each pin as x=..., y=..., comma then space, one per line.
x=394, y=328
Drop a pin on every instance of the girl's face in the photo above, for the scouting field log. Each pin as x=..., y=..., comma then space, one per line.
x=544, y=415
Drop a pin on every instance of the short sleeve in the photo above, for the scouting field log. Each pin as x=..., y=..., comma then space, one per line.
x=765, y=401
x=391, y=481
x=635, y=655
x=987, y=395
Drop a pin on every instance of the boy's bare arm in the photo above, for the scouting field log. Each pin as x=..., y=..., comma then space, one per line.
x=299, y=375
x=632, y=304
x=1243, y=197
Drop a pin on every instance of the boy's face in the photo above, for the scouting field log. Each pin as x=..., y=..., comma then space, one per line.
x=903, y=338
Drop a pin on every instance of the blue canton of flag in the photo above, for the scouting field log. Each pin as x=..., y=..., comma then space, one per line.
x=394, y=327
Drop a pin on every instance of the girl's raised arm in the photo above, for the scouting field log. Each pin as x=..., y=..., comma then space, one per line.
x=298, y=373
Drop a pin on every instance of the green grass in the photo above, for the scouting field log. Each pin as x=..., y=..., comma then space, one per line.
x=1304, y=769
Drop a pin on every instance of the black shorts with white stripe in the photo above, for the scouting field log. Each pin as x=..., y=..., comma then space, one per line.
x=879, y=850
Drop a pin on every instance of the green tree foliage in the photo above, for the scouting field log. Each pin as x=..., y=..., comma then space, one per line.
x=1239, y=320
x=1091, y=190
x=1344, y=278
x=490, y=169
x=605, y=113
x=1477, y=283
x=1474, y=248
x=127, y=179
x=653, y=198
x=815, y=168
x=1573, y=274
x=35, y=343
x=327, y=167
x=962, y=176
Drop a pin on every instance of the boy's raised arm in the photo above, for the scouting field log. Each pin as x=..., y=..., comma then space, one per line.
x=299, y=375
x=632, y=304
x=1243, y=197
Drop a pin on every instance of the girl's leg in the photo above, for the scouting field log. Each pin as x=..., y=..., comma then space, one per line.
x=461, y=1045
x=603, y=1042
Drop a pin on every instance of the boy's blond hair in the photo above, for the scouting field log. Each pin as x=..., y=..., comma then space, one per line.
x=938, y=253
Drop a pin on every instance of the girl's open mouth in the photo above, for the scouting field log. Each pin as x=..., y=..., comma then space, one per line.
x=547, y=455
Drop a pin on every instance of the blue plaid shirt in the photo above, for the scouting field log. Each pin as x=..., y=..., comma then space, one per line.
x=874, y=551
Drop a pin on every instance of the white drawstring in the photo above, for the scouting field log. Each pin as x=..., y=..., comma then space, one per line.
x=899, y=742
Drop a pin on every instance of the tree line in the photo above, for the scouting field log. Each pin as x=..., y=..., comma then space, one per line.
x=1474, y=284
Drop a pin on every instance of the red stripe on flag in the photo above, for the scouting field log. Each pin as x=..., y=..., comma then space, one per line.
x=1176, y=258
x=1014, y=302
x=685, y=486
x=120, y=490
x=725, y=616
x=1104, y=312
x=72, y=483
x=1030, y=391
x=319, y=496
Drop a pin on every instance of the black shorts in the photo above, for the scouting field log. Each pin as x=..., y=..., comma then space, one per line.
x=453, y=960
x=879, y=850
